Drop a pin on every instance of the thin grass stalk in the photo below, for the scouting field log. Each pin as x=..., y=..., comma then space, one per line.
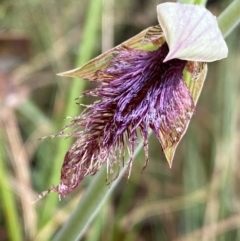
x=57, y=221
x=20, y=165
x=227, y=96
x=230, y=18
x=197, y=2
x=91, y=203
x=186, y=1
x=193, y=167
x=230, y=117
x=98, y=225
x=107, y=25
x=86, y=49
x=97, y=192
x=221, y=227
x=8, y=203
x=200, y=2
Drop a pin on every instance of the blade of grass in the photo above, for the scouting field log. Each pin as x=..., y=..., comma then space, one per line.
x=156, y=208
x=57, y=221
x=230, y=18
x=8, y=202
x=191, y=170
x=196, y=2
x=186, y=1
x=86, y=49
x=220, y=227
x=200, y=2
x=217, y=208
x=19, y=160
x=98, y=225
x=89, y=206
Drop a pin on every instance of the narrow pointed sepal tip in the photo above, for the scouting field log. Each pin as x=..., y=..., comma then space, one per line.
x=70, y=73
x=63, y=74
x=169, y=154
x=170, y=161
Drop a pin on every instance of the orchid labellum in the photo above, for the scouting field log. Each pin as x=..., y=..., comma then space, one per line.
x=142, y=85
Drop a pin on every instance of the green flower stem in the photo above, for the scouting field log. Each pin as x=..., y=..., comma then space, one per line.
x=186, y=1
x=89, y=206
x=230, y=18
x=97, y=192
x=200, y=2
x=196, y=2
x=8, y=203
x=86, y=50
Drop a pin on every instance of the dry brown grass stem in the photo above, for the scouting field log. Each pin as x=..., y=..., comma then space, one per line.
x=107, y=25
x=213, y=230
x=20, y=163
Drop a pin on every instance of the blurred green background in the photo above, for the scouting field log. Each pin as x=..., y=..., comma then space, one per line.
x=197, y=199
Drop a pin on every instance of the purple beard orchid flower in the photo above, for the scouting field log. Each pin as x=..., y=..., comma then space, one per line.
x=152, y=80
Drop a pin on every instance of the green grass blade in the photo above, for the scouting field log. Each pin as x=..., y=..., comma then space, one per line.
x=86, y=49
x=89, y=206
x=186, y=1
x=230, y=18
x=8, y=204
x=196, y=2
x=200, y=2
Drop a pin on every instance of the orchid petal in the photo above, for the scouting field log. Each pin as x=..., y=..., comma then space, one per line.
x=191, y=32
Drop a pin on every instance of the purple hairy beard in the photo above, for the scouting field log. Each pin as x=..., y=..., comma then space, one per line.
x=141, y=92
